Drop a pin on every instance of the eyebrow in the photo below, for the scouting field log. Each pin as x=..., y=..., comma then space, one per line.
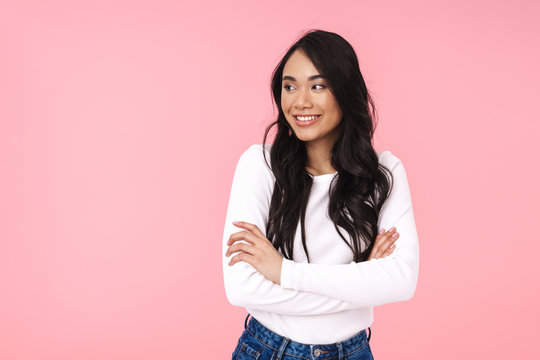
x=311, y=78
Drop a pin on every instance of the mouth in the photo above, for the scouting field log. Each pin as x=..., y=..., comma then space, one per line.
x=306, y=120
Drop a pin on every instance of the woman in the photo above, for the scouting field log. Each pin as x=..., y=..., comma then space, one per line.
x=305, y=255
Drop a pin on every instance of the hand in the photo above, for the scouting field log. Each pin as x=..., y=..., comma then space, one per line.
x=384, y=244
x=260, y=252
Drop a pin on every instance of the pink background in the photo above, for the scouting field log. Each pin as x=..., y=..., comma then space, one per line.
x=121, y=124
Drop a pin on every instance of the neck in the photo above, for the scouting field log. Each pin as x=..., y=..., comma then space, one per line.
x=319, y=155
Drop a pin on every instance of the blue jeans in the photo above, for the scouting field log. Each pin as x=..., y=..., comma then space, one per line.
x=258, y=342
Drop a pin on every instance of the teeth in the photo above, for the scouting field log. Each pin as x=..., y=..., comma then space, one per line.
x=306, y=118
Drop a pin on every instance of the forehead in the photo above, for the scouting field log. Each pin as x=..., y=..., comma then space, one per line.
x=299, y=66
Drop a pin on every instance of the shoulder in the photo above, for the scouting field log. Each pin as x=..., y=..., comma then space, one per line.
x=400, y=182
x=253, y=160
x=255, y=152
x=255, y=155
x=388, y=159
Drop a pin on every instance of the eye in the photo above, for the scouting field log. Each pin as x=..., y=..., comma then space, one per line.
x=321, y=86
x=286, y=87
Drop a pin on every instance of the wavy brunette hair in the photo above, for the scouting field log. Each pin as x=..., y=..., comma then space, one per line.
x=362, y=183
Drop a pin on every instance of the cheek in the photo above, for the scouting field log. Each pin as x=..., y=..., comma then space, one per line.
x=332, y=106
x=286, y=108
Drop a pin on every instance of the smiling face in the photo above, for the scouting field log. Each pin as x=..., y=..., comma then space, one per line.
x=307, y=102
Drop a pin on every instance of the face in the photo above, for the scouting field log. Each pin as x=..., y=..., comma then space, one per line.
x=307, y=102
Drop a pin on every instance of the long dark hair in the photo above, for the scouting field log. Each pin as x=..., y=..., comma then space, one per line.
x=362, y=183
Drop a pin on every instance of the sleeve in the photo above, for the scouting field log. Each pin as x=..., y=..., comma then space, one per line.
x=244, y=286
x=377, y=281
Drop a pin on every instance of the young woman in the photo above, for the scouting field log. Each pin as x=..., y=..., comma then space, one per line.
x=308, y=255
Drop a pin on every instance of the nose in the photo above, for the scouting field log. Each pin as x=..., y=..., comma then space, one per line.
x=302, y=100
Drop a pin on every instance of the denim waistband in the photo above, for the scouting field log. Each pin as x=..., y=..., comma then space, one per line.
x=322, y=351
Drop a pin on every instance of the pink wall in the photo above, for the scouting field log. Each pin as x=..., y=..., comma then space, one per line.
x=121, y=124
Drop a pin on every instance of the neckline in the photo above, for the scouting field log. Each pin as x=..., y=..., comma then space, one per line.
x=323, y=177
x=327, y=177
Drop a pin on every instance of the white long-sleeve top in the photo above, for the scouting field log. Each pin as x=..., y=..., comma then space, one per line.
x=331, y=298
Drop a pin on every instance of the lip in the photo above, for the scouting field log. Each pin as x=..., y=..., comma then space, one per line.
x=306, y=123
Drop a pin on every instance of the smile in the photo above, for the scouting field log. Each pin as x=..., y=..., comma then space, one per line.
x=305, y=120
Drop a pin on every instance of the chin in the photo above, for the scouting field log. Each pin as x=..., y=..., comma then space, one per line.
x=305, y=138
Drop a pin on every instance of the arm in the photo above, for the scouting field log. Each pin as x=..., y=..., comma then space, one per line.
x=377, y=281
x=244, y=286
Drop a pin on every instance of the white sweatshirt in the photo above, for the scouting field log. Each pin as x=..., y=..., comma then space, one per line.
x=331, y=298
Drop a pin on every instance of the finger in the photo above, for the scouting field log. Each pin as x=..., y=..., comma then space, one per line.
x=251, y=227
x=393, y=239
x=384, y=241
x=389, y=251
x=240, y=257
x=378, y=246
x=374, y=253
x=242, y=235
x=388, y=243
x=391, y=244
x=239, y=246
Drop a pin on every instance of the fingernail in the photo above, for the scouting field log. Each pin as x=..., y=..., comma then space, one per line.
x=236, y=222
x=395, y=234
x=381, y=231
x=392, y=228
